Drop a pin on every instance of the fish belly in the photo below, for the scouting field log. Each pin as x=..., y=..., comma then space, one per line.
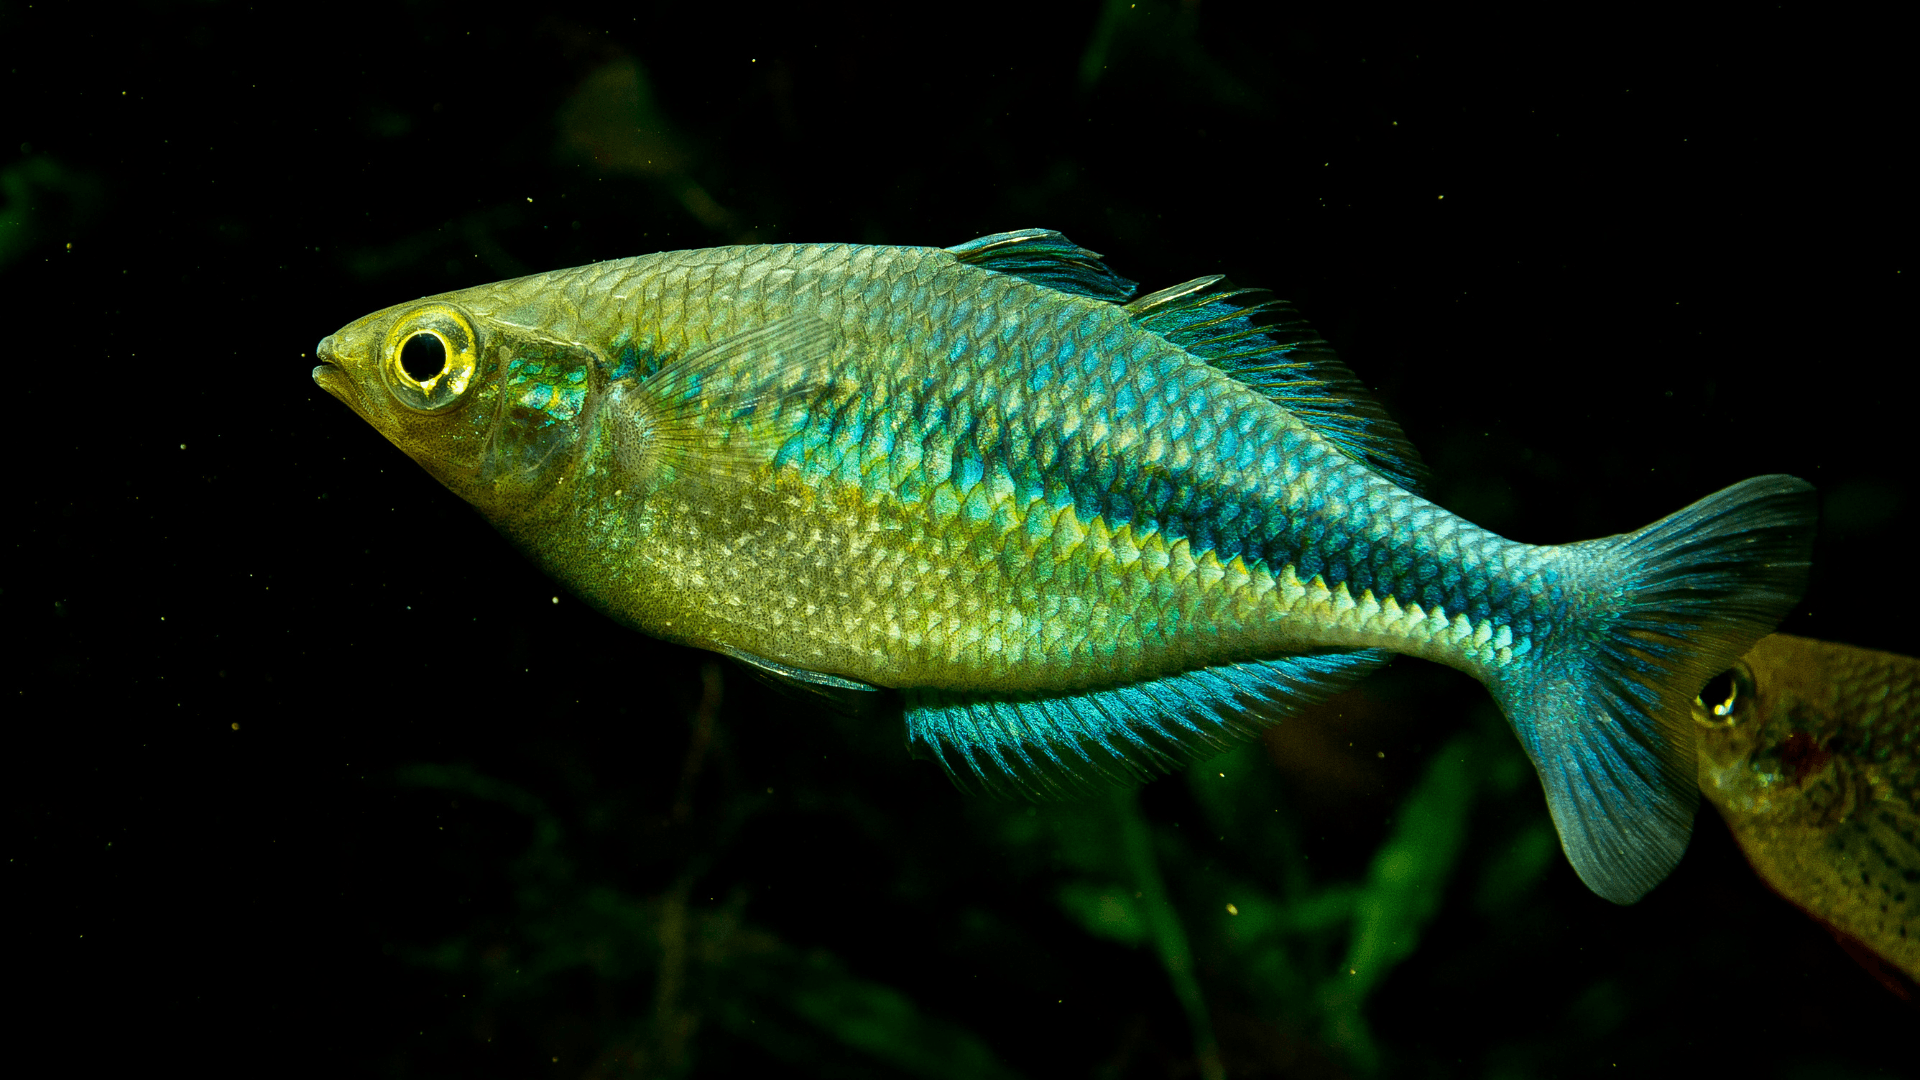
x=1058, y=549
x=1006, y=488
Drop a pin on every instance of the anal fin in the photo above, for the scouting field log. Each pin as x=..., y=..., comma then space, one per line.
x=1043, y=746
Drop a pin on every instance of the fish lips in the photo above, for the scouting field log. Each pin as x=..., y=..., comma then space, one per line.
x=332, y=375
x=336, y=378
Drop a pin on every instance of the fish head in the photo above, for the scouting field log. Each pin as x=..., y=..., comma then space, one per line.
x=414, y=372
x=1767, y=727
x=1728, y=718
x=489, y=408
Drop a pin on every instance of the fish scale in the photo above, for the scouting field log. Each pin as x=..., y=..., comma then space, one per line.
x=950, y=494
x=1083, y=538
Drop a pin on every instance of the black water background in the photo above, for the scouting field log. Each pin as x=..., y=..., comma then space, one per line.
x=1597, y=264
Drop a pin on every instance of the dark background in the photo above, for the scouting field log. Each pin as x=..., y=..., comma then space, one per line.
x=309, y=772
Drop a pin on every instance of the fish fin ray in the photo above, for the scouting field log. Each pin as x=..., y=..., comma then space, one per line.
x=1265, y=343
x=1039, y=746
x=1608, y=720
x=1044, y=257
x=726, y=408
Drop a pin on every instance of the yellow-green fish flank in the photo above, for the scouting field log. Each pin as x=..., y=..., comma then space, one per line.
x=1811, y=752
x=1082, y=535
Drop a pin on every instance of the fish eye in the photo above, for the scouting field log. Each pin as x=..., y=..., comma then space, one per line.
x=1727, y=699
x=430, y=357
x=423, y=356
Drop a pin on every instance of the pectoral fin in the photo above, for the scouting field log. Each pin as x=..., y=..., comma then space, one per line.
x=725, y=409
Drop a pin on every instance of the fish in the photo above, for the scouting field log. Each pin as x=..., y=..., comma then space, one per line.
x=1082, y=536
x=1810, y=750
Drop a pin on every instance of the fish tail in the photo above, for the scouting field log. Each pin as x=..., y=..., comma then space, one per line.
x=1604, y=708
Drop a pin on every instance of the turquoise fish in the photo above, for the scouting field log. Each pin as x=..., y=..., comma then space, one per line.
x=1084, y=537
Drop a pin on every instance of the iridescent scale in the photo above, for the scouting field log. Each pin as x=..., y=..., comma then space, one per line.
x=1040, y=495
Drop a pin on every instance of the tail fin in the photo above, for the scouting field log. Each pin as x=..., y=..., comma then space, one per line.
x=1605, y=712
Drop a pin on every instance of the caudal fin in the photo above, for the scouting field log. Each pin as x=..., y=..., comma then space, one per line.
x=1604, y=711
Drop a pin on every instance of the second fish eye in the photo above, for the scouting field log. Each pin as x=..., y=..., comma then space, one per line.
x=1727, y=695
x=423, y=356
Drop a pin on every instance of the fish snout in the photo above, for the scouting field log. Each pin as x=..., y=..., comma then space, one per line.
x=330, y=367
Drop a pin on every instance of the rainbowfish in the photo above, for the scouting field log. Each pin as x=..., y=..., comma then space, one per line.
x=1084, y=536
x=1811, y=752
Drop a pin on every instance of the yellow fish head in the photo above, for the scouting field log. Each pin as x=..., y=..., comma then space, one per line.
x=425, y=376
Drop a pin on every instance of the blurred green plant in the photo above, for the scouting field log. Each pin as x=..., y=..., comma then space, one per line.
x=708, y=966
x=1232, y=912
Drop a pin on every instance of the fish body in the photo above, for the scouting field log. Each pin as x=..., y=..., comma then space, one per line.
x=1811, y=752
x=1082, y=537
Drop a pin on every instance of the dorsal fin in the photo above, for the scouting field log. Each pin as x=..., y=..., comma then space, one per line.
x=1044, y=257
x=1263, y=342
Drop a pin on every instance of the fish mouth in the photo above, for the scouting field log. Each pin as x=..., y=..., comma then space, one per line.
x=329, y=374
